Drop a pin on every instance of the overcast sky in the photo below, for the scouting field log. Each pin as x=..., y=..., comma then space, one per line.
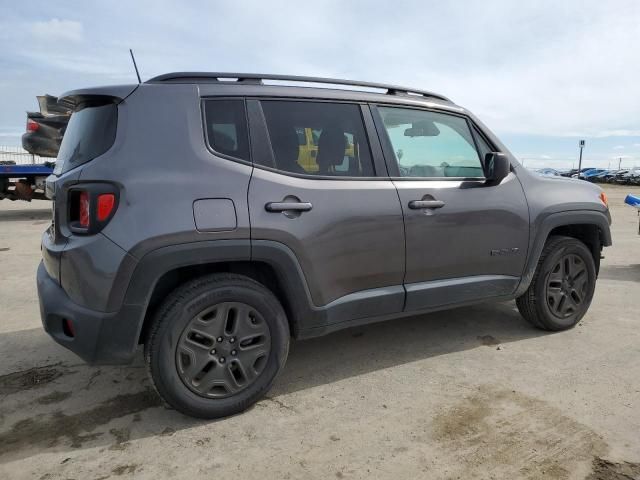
x=541, y=74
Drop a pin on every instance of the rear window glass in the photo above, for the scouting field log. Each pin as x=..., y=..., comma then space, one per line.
x=90, y=133
x=227, y=127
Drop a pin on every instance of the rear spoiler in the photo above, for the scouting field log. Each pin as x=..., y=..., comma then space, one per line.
x=111, y=94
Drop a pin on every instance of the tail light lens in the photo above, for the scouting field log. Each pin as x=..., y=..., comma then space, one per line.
x=106, y=201
x=91, y=207
x=32, y=126
x=84, y=209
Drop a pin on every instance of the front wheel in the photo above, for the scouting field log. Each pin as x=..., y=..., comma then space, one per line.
x=562, y=286
x=216, y=345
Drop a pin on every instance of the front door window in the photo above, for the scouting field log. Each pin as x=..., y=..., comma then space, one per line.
x=431, y=144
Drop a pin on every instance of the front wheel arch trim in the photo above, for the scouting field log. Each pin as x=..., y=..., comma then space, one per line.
x=540, y=234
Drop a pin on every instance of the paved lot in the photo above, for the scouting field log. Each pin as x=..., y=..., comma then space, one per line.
x=470, y=393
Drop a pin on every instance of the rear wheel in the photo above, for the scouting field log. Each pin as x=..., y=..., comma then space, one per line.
x=216, y=345
x=562, y=287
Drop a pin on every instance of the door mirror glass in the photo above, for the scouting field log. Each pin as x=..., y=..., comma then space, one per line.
x=497, y=167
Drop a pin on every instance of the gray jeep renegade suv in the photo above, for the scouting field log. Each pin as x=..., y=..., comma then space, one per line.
x=212, y=217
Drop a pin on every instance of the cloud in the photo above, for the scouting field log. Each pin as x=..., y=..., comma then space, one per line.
x=619, y=147
x=618, y=133
x=56, y=29
x=80, y=63
x=555, y=69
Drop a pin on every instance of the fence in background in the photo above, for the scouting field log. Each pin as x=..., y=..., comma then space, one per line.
x=20, y=156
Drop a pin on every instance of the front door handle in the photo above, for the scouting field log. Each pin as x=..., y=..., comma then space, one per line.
x=288, y=207
x=420, y=204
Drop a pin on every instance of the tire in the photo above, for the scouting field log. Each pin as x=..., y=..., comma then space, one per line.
x=207, y=376
x=551, y=301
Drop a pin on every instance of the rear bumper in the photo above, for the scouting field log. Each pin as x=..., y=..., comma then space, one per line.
x=99, y=337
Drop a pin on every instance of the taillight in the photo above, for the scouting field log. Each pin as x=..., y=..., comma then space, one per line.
x=32, y=126
x=91, y=206
x=106, y=201
x=84, y=213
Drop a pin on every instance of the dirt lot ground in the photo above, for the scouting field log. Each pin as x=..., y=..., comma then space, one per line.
x=470, y=393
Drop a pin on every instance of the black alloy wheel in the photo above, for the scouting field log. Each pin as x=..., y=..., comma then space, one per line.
x=567, y=285
x=223, y=349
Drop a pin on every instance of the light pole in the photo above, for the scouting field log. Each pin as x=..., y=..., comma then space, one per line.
x=581, y=145
x=619, y=162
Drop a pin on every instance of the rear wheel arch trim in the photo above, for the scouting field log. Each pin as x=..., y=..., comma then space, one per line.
x=157, y=263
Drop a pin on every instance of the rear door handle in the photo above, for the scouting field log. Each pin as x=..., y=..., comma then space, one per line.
x=288, y=207
x=420, y=204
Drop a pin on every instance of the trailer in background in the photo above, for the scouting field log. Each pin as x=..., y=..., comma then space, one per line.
x=24, y=182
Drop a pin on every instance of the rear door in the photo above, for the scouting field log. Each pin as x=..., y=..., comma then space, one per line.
x=465, y=239
x=340, y=218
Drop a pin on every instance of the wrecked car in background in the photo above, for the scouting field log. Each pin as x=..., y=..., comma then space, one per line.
x=46, y=128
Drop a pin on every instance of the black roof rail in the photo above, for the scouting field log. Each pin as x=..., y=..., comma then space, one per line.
x=257, y=78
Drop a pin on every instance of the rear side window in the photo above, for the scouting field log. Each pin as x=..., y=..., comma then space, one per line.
x=90, y=133
x=318, y=138
x=226, y=125
x=431, y=144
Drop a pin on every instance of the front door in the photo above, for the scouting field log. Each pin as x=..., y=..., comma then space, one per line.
x=343, y=224
x=465, y=239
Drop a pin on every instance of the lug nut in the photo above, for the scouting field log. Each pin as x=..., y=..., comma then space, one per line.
x=213, y=352
x=233, y=352
x=232, y=339
x=219, y=339
x=221, y=359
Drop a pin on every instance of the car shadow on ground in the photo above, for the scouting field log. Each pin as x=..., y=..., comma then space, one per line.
x=624, y=273
x=50, y=400
x=28, y=214
x=357, y=351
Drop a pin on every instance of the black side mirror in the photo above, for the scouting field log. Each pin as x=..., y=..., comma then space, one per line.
x=496, y=166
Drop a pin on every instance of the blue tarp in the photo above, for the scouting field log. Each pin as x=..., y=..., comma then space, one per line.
x=632, y=200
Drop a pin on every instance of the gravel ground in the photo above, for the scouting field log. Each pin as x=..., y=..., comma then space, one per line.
x=469, y=393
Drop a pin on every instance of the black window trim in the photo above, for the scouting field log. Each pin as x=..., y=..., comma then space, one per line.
x=207, y=143
x=374, y=130
x=387, y=148
x=476, y=131
x=371, y=139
